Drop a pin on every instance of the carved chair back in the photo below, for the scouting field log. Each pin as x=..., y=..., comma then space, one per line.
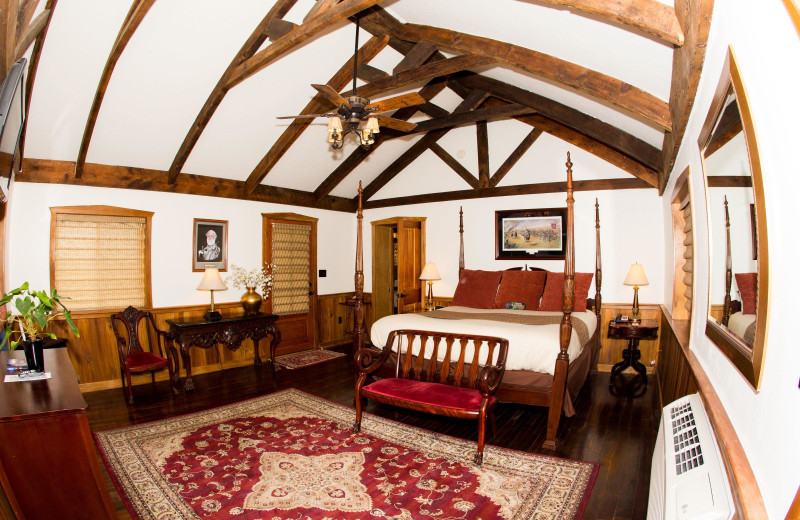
x=136, y=331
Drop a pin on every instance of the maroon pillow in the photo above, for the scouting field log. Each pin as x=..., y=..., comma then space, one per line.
x=748, y=287
x=551, y=299
x=477, y=289
x=521, y=286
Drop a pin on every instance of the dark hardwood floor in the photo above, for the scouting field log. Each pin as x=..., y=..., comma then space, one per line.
x=614, y=429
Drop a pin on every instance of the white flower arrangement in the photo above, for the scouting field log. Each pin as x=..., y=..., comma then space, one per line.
x=241, y=278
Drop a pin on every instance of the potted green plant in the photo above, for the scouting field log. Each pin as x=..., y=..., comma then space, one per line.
x=34, y=312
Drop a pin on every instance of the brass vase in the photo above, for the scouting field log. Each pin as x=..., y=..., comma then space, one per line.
x=251, y=302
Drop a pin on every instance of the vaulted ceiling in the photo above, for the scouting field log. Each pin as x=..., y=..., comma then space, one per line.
x=183, y=95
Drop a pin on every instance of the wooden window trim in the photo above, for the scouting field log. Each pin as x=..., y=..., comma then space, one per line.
x=111, y=211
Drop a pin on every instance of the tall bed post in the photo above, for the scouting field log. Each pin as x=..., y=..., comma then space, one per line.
x=726, y=308
x=358, y=299
x=565, y=332
x=598, y=267
x=460, y=240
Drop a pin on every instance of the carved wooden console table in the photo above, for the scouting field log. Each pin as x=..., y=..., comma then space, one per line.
x=228, y=331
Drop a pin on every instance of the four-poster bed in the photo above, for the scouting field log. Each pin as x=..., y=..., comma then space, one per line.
x=547, y=364
x=738, y=316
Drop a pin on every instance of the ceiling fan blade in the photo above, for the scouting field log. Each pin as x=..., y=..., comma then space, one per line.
x=396, y=124
x=331, y=95
x=406, y=100
x=305, y=116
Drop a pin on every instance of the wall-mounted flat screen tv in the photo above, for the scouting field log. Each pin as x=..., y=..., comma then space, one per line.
x=12, y=120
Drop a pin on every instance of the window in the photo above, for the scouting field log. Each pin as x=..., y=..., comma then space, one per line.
x=100, y=256
x=683, y=240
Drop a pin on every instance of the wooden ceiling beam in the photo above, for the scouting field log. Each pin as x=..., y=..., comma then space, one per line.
x=600, y=86
x=475, y=98
x=509, y=191
x=136, y=14
x=598, y=130
x=455, y=165
x=369, y=73
x=250, y=46
x=456, y=119
x=319, y=7
x=300, y=34
x=648, y=16
x=482, y=132
x=123, y=177
x=687, y=64
x=515, y=156
x=317, y=104
x=359, y=154
x=30, y=33
x=418, y=55
x=278, y=28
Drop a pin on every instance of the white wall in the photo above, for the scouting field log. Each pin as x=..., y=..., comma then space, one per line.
x=173, y=281
x=767, y=48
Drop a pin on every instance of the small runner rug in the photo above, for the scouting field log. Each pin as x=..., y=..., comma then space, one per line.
x=293, y=455
x=307, y=358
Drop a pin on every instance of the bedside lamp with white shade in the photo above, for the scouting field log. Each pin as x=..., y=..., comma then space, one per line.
x=429, y=274
x=636, y=278
x=212, y=281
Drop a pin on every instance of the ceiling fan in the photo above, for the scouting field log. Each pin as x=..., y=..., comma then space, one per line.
x=354, y=110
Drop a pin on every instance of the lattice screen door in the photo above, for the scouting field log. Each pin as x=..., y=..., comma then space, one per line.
x=290, y=244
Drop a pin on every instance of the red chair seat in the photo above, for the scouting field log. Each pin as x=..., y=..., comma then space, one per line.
x=422, y=392
x=144, y=360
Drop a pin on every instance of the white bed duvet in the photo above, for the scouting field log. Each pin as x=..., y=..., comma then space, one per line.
x=531, y=347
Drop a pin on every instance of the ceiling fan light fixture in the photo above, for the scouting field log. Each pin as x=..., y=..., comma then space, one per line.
x=372, y=125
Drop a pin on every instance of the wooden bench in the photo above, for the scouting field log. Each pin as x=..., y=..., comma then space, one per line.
x=455, y=375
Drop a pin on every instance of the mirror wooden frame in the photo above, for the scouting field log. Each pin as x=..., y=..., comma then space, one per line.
x=748, y=360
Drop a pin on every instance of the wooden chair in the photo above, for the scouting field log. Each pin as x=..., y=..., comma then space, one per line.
x=133, y=358
x=455, y=375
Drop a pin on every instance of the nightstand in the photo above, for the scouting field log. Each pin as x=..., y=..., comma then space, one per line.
x=647, y=329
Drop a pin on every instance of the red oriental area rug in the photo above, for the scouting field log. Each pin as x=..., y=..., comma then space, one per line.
x=293, y=455
x=309, y=357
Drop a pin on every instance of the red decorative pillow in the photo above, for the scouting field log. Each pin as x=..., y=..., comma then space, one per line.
x=551, y=299
x=748, y=289
x=477, y=289
x=521, y=286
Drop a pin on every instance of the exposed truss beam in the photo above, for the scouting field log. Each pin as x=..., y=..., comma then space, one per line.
x=482, y=131
x=31, y=33
x=416, y=56
x=648, y=16
x=505, y=111
x=508, y=191
x=216, y=96
x=357, y=157
x=687, y=64
x=369, y=73
x=474, y=99
x=319, y=7
x=600, y=86
x=598, y=130
x=455, y=165
x=318, y=103
x=515, y=156
x=295, y=37
x=123, y=177
x=135, y=16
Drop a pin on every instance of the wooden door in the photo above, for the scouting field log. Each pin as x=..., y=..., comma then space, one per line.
x=290, y=242
x=383, y=289
x=410, y=253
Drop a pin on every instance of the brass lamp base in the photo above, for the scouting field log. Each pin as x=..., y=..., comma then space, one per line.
x=429, y=302
x=212, y=316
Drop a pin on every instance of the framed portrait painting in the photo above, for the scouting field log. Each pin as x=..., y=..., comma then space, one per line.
x=210, y=244
x=531, y=234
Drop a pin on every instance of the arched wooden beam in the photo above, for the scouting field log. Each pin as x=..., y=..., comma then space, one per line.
x=601, y=86
x=317, y=104
x=250, y=46
x=296, y=36
x=648, y=16
x=135, y=16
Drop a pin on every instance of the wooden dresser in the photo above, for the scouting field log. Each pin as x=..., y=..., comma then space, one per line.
x=49, y=467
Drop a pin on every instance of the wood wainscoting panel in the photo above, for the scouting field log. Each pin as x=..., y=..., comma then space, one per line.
x=611, y=349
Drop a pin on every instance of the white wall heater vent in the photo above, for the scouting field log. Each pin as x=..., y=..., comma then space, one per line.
x=687, y=478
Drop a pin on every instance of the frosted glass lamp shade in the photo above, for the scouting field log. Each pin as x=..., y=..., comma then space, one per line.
x=636, y=276
x=429, y=272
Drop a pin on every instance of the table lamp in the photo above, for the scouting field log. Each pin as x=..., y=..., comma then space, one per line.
x=636, y=278
x=212, y=281
x=430, y=273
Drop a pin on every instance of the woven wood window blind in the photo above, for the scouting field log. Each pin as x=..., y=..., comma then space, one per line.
x=99, y=260
x=688, y=253
x=291, y=253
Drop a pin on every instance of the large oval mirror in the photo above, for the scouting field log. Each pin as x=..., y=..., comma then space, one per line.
x=737, y=227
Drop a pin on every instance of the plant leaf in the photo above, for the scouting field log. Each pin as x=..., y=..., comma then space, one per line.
x=68, y=317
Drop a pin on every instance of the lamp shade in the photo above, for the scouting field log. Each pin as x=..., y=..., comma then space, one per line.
x=636, y=276
x=212, y=281
x=429, y=272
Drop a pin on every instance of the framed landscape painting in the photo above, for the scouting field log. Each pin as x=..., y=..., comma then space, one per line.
x=210, y=244
x=531, y=234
